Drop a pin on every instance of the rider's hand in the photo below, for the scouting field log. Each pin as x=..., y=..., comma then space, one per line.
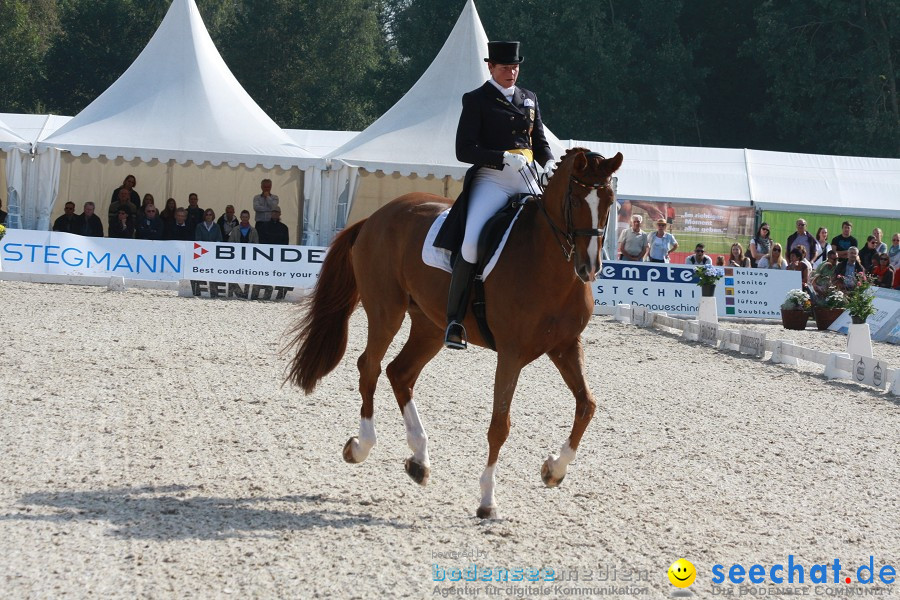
x=545, y=172
x=516, y=161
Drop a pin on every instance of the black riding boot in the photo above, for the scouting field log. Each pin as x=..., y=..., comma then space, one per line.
x=457, y=303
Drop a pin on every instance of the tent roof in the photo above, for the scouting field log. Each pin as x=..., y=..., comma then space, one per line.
x=320, y=141
x=841, y=185
x=418, y=134
x=33, y=128
x=179, y=101
x=9, y=139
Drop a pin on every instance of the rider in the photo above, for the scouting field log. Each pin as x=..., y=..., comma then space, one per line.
x=500, y=132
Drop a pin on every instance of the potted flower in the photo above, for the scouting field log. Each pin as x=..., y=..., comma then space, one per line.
x=707, y=276
x=795, y=310
x=829, y=307
x=861, y=301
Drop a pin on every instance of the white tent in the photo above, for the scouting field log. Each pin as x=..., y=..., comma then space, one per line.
x=180, y=121
x=13, y=152
x=412, y=146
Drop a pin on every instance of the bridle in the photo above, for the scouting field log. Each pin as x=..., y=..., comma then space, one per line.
x=571, y=233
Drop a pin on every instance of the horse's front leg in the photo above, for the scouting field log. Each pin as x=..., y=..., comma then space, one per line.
x=505, y=380
x=569, y=359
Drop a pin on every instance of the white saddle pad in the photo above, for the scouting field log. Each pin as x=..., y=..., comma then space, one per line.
x=440, y=258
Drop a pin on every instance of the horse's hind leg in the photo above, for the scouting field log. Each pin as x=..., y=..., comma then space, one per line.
x=425, y=341
x=570, y=361
x=384, y=313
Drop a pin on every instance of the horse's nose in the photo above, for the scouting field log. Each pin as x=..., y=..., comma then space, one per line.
x=586, y=274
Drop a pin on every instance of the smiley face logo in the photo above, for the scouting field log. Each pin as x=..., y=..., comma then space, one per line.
x=682, y=573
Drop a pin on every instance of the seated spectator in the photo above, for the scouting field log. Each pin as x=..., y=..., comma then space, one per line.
x=168, y=213
x=128, y=185
x=91, y=225
x=799, y=263
x=194, y=212
x=736, y=258
x=149, y=226
x=823, y=277
x=208, y=230
x=123, y=202
x=867, y=253
x=273, y=231
x=122, y=226
x=774, y=260
x=699, y=256
x=148, y=199
x=883, y=272
x=68, y=222
x=848, y=270
x=178, y=229
x=3, y=213
x=894, y=251
x=244, y=233
x=228, y=221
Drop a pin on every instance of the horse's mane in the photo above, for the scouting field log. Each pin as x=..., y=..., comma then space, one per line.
x=564, y=166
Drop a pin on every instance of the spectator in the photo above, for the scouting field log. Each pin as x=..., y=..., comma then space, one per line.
x=3, y=213
x=244, y=233
x=774, y=260
x=736, y=258
x=867, y=253
x=168, y=213
x=273, y=232
x=633, y=244
x=264, y=203
x=208, y=230
x=845, y=241
x=699, y=257
x=148, y=199
x=822, y=247
x=802, y=237
x=897, y=279
x=178, y=229
x=122, y=227
x=228, y=221
x=124, y=202
x=91, y=225
x=799, y=263
x=894, y=251
x=661, y=243
x=760, y=245
x=68, y=222
x=881, y=248
x=150, y=226
x=133, y=197
x=884, y=274
x=848, y=270
x=823, y=277
x=194, y=212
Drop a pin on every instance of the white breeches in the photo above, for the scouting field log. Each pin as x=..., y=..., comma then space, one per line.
x=490, y=191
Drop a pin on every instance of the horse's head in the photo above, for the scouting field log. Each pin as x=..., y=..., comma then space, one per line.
x=582, y=185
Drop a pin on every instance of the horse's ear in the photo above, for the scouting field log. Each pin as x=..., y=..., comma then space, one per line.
x=580, y=163
x=612, y=165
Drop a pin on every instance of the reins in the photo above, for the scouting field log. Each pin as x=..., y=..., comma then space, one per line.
x=569, y=235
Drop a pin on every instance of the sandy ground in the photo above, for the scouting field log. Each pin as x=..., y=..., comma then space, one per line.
x=148, y=450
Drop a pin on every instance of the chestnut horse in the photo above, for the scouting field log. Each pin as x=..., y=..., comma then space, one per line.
x=537, y=303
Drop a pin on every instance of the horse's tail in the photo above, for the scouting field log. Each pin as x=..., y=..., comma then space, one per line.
x=320, y=335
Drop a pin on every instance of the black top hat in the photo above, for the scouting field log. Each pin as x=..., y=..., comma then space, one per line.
x=504, y=53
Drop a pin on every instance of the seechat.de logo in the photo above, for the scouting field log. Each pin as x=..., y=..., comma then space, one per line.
x=682, y=573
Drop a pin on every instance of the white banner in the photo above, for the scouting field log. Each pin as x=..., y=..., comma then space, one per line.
x=52, y=253
x=668, y=288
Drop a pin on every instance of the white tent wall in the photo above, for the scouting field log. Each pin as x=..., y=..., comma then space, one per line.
x=377, y=189
x=329, y=195
x=4, y=192
x=85, y=179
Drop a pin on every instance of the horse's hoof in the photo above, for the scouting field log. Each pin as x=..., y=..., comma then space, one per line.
x=486, y=512
x=547, y=475
x=348, y=450
x=417, y=472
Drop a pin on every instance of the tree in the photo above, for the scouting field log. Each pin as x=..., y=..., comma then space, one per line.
x=21, y=50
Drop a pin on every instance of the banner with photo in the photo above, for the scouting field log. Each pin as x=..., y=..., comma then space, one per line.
x=718, y=227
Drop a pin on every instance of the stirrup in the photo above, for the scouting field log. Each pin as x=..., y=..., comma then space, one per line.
x=455, y=336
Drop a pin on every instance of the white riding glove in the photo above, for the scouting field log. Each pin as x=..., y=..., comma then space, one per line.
x=516, y=161
x=545, y=172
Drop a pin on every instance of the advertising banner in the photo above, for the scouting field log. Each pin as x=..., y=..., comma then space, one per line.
x=749, y=293
x=292, y=266
x=884, y=325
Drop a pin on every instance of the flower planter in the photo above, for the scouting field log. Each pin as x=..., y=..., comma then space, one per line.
x=794, y=319
x=708, y=291
x=826, y=316
x=856, y=320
